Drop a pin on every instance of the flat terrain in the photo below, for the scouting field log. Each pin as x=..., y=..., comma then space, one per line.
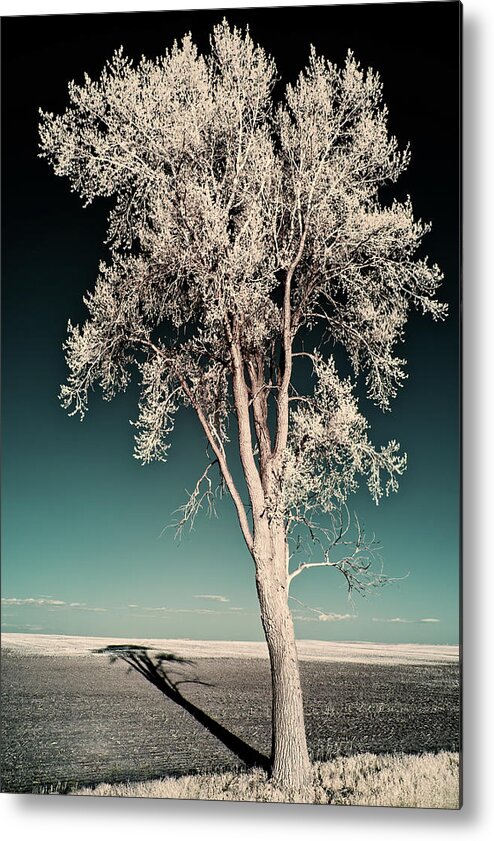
x=83, y=719
x=47, y=645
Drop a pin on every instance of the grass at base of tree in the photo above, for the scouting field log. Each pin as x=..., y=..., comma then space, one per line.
x=428, y=781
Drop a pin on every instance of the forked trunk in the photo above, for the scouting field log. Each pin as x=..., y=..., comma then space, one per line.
x=290, y=767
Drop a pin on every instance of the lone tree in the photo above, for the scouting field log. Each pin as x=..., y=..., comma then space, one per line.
x=243, y=232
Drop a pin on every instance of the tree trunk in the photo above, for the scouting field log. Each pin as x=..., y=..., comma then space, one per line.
x=290, y=764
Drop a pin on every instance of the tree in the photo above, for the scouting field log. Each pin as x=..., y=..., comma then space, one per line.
x=241, y=232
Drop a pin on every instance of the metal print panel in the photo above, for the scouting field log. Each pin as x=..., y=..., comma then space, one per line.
x=254, y=238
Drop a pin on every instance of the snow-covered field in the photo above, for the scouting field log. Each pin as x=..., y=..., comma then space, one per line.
x=356, y=652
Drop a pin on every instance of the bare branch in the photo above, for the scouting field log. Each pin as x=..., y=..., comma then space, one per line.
x=356, y=566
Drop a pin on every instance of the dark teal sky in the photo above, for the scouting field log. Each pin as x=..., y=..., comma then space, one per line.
x=82, y=521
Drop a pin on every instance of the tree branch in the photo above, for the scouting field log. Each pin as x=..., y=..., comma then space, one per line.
x=356, y=566
x=258, y=401
x=217, y=449
x=197, y=497
x=240, y=393
x=220, y=455
x=283, y=409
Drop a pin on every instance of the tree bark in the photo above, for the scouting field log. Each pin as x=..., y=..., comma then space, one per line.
x=290, y=764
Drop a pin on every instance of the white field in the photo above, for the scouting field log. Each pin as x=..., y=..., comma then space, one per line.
x=49, y=645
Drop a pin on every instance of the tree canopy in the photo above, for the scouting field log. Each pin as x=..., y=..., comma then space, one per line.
x=247, y=225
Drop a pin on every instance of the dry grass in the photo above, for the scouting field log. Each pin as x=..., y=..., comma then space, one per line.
x=429, y=781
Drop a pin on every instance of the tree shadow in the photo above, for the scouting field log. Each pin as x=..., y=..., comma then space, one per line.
x=158, y=669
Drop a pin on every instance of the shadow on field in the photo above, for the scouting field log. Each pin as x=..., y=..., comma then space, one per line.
x=154, y=669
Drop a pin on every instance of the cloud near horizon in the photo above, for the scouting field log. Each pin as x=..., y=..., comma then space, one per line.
x=49, y=602
x=33, y=601
x=326, y=617
x=398, y=620
x=197, y=610
x=23, y=627
x=212, y=598
x=59, y=604
x=335, y=617
x=200, y=610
